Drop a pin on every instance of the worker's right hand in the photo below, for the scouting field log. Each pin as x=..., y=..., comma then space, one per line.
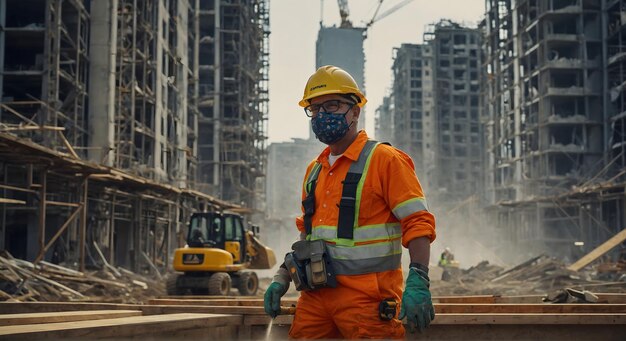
x=275, y=291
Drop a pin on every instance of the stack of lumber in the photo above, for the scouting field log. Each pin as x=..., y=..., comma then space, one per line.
x=538, y=275
x=24, y=281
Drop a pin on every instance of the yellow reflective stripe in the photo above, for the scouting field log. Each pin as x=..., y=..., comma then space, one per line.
x=366, y=251
x=312, y=176
x=408, y=207
x=359, y=188
x=361, y=233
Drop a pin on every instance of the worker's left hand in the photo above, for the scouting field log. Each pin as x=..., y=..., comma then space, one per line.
x=417, y=305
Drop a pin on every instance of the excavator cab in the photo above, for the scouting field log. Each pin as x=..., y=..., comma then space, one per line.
x=221, y=231
x=219, y=248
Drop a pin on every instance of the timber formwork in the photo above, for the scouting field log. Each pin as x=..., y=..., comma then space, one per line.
x=98, y=130
x=233, y=98
x=483, y=317
x=553, y=128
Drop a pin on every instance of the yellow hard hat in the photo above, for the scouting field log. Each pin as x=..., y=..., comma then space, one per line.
x=331, y=80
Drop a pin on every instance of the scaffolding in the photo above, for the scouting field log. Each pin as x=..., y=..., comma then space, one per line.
x=547, y=71
x=99, y=125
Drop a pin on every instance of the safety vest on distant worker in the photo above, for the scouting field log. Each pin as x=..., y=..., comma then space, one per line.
x=358, y=249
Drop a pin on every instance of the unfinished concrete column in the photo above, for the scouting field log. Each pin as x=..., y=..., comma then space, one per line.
x=103, y=48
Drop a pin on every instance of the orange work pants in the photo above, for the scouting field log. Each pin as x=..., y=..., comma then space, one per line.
x=350, y=310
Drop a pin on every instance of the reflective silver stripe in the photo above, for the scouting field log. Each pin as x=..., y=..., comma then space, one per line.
x=368, y=251
x=363, y=266
x=324, y=232
x=409, y=207
x=361, y=233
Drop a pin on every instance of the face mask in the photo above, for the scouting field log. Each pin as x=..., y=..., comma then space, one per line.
x=330, y=128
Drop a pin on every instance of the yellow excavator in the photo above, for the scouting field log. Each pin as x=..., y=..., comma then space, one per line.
x=219, y=249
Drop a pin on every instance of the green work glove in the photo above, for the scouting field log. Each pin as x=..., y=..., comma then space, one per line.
x=417, y=305
x=275, y=291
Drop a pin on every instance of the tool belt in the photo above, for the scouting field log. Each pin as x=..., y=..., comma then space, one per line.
x=310, y=265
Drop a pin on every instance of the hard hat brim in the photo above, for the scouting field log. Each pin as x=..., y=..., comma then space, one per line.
x=307, y=100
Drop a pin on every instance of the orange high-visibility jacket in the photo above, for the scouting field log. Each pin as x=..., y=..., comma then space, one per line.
x=392, y=210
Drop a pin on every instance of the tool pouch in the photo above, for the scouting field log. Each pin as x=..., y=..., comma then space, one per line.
x=310, y=265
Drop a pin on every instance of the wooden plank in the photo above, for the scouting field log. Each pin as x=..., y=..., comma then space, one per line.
x=590, y=318
x=599, y=251
x=494, y=332
x=459, y=308
x=12, y=201
x=30, y=307
x=256, y=302
x=138, y=326
x=66, y=316
x=489, y=299
x=34, y=307
x=490, y=319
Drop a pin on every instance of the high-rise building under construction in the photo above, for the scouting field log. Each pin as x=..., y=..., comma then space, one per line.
x=120, y=118
x=554, y=99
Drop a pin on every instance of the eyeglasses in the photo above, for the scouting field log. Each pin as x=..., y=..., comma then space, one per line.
x=330, y=107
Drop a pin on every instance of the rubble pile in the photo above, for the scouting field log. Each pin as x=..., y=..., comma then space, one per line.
x=24, y=281
x=539, y=275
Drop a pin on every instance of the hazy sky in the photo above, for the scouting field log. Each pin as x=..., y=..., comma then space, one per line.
x=294, y=26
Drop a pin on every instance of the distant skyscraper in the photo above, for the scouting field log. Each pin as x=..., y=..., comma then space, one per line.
x=343, y=47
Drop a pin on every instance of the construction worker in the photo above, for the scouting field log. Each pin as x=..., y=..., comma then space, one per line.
x=364, y=220
x=446, y=257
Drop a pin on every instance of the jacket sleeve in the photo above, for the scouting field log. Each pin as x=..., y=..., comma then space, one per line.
x=404, y=195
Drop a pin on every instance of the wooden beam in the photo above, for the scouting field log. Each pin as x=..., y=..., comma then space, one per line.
x=19, y=189
x=65, y=316
x=489, y=299
x=489, y=319
x=480, y=332
x=42, y=212
x=82, y=235
x=62, y=229
x=59, y=203
x=11, y=110
x=29, y=128
x=536, y=308
x=599, y=251
x=155, y=326
x=602, y=298
x=68, y=145
x=246, y=302
x=12, y=201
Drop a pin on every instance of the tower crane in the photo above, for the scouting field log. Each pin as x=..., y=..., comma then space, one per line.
x=377, y=17
x=344, y=12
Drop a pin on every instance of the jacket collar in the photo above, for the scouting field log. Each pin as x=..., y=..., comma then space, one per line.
x=351, y=153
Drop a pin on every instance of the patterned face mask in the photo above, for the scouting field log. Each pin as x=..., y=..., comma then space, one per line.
x=330, y=128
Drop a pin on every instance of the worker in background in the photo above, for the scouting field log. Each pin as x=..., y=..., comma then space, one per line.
x=446, y=258
x=364, y=223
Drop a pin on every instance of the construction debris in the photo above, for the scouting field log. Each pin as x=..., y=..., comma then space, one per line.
x=538, y=275
x=21, y=280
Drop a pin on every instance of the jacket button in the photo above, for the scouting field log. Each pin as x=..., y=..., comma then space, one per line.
x=324, y=205
x=331, y=173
